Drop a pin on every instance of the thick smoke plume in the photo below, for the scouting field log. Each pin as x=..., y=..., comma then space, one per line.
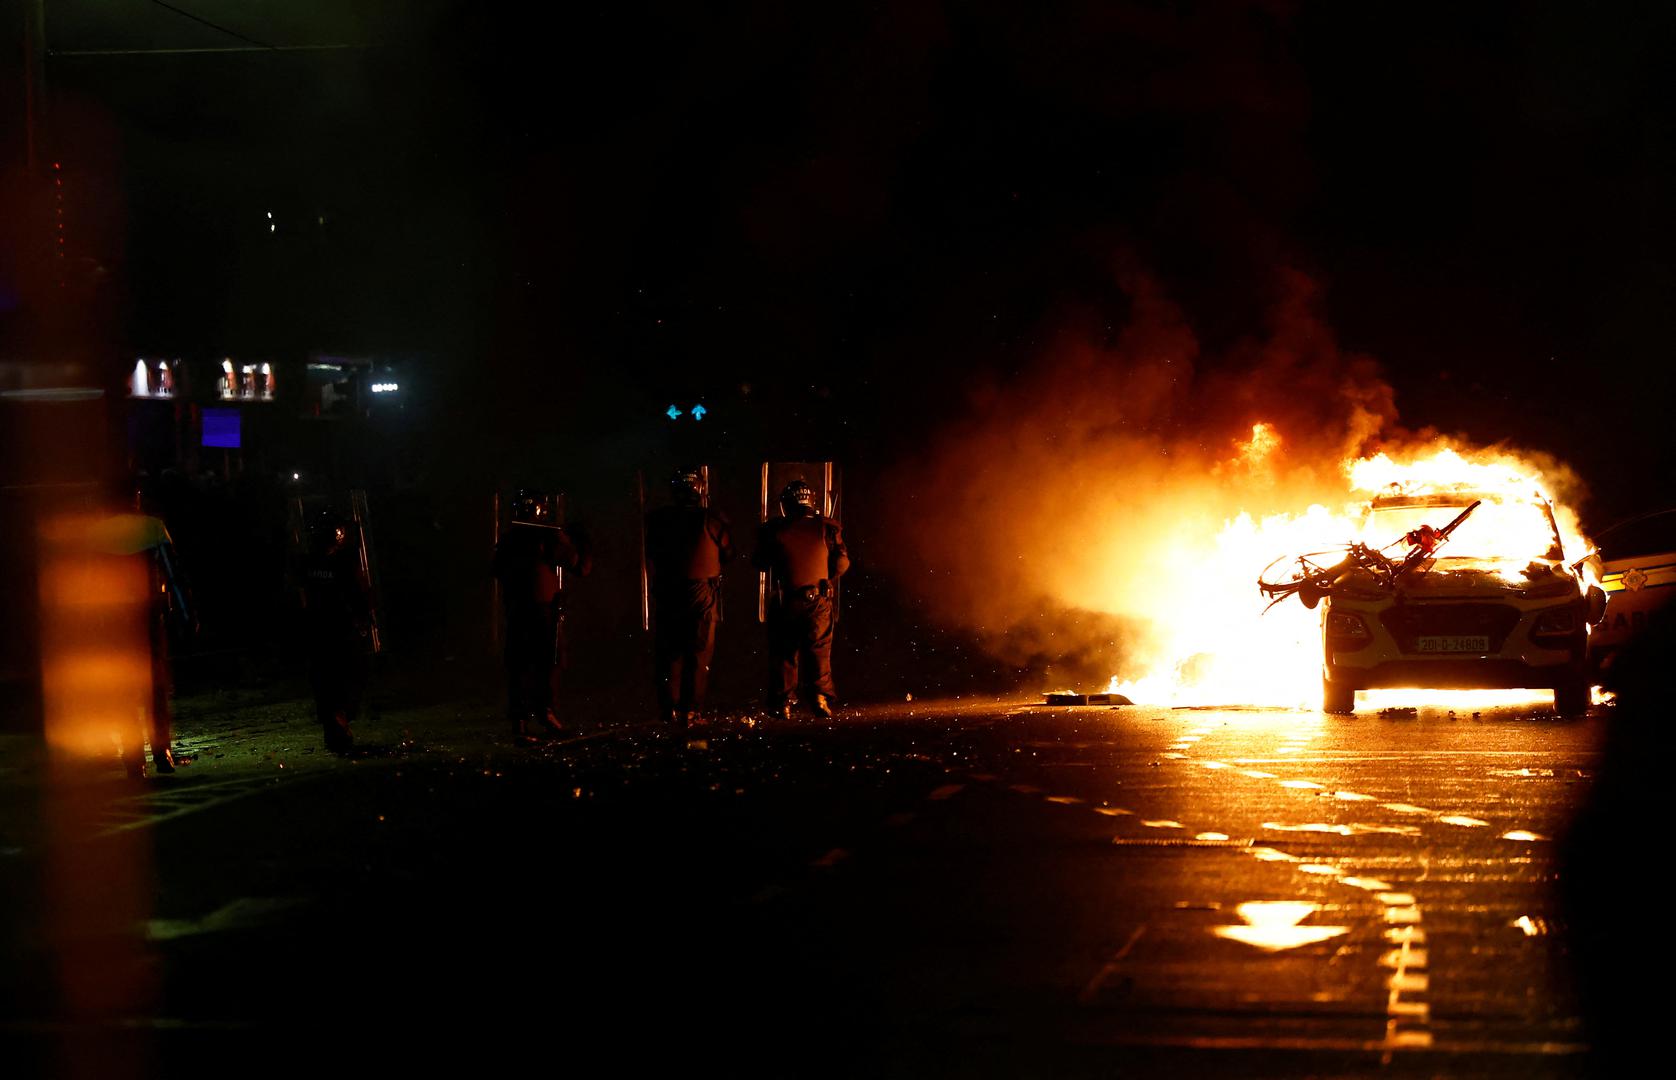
x=1062, y=514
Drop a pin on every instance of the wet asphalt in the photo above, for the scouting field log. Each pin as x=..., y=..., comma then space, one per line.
x=983, y=887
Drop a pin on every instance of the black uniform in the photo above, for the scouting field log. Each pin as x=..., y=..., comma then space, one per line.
x=527, y=564
x=686, y=546
x=803, y=555
x=337, y=620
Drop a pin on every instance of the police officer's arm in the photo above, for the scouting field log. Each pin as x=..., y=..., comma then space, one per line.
x=837, y=556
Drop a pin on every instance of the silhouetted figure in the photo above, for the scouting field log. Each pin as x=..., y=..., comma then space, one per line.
x=803, y=554
x=528, y=563
x=686, y=546
x=1601, y=877
x=337, y=623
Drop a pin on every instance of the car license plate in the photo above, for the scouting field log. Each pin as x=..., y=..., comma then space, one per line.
x=1454, y=643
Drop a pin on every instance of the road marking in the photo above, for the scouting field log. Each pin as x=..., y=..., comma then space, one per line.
x=1113, y=811
x=1301, y=785
x=1521, y=834
x=1404, y=808
x=1370, y=884
x=1406, y=1009
x=945, y=792
x=183, y=802
x=1163, y=823
x=240, y=914
x=1257, y=774
x=1065, y=800
x=1026, y=789
x=1109, y=967
x=1213, y=764
x=1211, y=836
x=1275, y=925
x=1462, y=820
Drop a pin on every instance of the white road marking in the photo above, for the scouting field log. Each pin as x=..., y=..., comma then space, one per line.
x=945, y=791
x=1109, y=966
x=1369, y=884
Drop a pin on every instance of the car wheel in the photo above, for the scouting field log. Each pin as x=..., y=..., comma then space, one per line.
x=1337, y=698
x=1571, y=699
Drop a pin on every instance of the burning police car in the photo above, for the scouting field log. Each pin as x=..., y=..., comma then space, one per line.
x=1469, y=590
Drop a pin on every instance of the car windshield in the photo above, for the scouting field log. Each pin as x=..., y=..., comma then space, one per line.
x=1503, y=530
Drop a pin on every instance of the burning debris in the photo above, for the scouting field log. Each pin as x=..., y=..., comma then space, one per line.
x=1310, y=582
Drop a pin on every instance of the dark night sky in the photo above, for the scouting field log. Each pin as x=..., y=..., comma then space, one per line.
x=861, y=211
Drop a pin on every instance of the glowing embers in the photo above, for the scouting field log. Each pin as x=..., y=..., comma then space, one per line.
x=1273, y=925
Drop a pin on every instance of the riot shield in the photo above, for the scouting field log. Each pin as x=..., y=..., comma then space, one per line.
x=826, y=479
x=362, y=516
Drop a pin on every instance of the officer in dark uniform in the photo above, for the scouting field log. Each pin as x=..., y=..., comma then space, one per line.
x=686, y=545
x=337, y=619
x=803, y=555
x=528, y=562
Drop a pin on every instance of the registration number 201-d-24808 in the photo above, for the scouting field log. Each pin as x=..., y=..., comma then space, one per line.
x=1453, y=643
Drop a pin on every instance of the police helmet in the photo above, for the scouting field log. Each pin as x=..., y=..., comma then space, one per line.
x=797, y=493
x=532, y=507
x=687, y=486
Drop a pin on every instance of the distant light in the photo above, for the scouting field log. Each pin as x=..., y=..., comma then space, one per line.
x=296, y=476
x=673, y=412
x=227, y=366
x=266, y=370
x=270, y=215
x=699, y=411
x=385, y=387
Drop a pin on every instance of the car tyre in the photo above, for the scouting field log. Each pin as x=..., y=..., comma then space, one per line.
x=1337, y=698
x=1571, y=699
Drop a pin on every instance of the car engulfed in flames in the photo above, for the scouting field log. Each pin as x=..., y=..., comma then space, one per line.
x=1485, y=595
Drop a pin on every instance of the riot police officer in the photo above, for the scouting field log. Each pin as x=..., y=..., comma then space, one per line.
x=803, y=554
x=686, y=545
x=337, y=620
x=528, y=563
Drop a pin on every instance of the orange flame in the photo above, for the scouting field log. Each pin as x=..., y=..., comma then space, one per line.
x=1212, y=641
